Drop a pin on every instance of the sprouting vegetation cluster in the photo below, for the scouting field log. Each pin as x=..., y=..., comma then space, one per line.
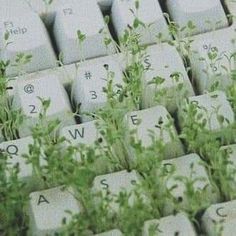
x=111, y=153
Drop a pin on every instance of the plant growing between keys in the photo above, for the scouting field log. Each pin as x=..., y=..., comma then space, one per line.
x=134, y=138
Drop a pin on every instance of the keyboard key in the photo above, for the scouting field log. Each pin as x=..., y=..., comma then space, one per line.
x=229, y=155
x=83, y=134
x=114, y=232
x=86, y=17
x=156, y=121
x=89, y=83
x=166, y=81
x=27, y=97
x=114, y=183
x=213, y=110
x=47, y=210
x=209, y=60
x=220, y=215
x=149, y=12
x=15, y=150
x=173, y=225
x=189, y=166
x=28, y=37
x=206, y=15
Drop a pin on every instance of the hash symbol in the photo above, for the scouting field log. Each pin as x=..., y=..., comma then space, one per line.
x=87, y=75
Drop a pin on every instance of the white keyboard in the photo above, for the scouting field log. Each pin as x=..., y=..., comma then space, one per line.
x=118, y=117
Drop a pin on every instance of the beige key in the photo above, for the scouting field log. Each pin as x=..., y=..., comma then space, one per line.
x=156, y=121
x=15, y=149
x=210, y=60
x=214, y=110
x=206, y=15
x=149, y=12
x=189, y=166
x=172, y=225
x=83, y=16
x=165, y=81
x=22, y=27
x=47, y=210
x=27, y=97
x=113, y=184
x=87, y=89
x=218, y=216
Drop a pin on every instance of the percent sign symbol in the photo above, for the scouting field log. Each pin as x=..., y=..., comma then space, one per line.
x=209, y=48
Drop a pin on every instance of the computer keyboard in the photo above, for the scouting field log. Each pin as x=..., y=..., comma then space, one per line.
x=117, y=117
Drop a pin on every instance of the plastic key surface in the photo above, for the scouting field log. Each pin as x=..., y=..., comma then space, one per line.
x=191, y=167
x=172, y=225
x=115, y=183
x=123, y=14
x=221, y=215
x=156, y=122
x=77, y=29
x=14, y=150
x=213, y=111
x=27, y=98
x=28, y=45
x=90, y=82
x=48, y=210
x=165, y=81
x=211, y=60
x=205, y=15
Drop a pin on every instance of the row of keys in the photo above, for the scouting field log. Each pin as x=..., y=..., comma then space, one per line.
x=55, y=201
x=87, y=92
x=207, y=15
x=156, y=119
x=71, y=17
x=217, y=216
x=166, y=77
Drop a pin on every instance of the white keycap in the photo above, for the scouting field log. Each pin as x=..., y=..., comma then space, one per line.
x=27, y=35
x=114, y=232
x=86, y=17
x=206, y=15
x=14, y=150
x=172, y=225
x=229, y=153
x=214, y=109
x=47, y=210
x=166, y=81
x=115, y=183
x=209, y=60
x=27, y=97
x=149, y=12
x=82, y=134
x=220, y=215
x=89, y=83
x=157, y=120
x=189, y=166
